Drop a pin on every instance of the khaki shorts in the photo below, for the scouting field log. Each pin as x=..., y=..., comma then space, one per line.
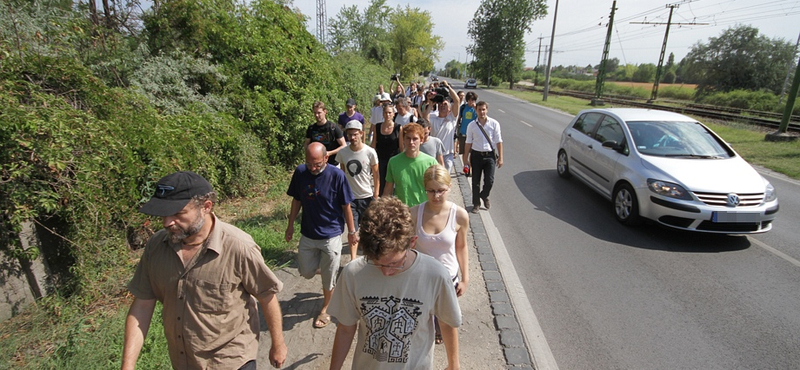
x=322, y=254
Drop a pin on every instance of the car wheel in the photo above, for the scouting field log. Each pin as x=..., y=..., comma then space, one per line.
x=626, y=206
x=563, y=165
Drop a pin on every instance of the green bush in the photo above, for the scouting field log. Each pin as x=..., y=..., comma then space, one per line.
x=676, y=92
x=744, y=99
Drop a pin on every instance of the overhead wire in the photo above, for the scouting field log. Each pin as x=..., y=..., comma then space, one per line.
x=589, y=37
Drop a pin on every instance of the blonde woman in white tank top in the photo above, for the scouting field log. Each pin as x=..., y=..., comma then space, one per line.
x=442, y=227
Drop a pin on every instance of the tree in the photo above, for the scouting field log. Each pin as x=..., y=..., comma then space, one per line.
x=645, y=73
x=414, y=48
x=739, y=58
x=498, y=30
x=366, y=34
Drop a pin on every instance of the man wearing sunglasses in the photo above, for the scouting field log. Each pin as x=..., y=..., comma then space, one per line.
x=391, y=295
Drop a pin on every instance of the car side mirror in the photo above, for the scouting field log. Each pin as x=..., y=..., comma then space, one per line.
x=611, y=144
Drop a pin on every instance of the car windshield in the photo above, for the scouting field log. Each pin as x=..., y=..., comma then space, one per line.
x=677, y=139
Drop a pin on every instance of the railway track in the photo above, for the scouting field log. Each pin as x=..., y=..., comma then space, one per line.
x=771, y=121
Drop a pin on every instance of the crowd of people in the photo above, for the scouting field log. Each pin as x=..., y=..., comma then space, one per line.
x=386, y=187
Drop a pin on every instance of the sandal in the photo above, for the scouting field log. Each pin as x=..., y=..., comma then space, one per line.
x=322, y=321
x=438, y=338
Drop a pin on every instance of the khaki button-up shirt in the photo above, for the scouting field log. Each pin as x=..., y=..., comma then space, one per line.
x=210, y=311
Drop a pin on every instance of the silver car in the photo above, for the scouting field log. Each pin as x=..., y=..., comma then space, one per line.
x=471, y=84
x=668, y=168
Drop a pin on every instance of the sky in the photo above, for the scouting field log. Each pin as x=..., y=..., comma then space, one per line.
x=581, y=26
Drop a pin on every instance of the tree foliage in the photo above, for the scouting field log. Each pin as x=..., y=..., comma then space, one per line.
x=414, y=47
x=498, y=33
x=92, y=116
x=739, y=58
x=399, y=39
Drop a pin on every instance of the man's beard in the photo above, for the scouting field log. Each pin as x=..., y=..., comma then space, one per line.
x=177, y=234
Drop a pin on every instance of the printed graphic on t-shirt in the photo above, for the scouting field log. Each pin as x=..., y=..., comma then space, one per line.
x=390, y=323
x=322, y=137
x=311, y=192
x=468, y=115
x=354, y=167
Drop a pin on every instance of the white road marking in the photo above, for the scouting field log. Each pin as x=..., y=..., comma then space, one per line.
x=775, y=251
x=538, y=348
x=501, y=111
x=527, y=124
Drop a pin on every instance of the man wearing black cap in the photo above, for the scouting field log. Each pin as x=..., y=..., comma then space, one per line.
x=206, y=273
x=350, y=114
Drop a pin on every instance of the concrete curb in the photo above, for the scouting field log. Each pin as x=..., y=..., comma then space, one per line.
x=509, y=331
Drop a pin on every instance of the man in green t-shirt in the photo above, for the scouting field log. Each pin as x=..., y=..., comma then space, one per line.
x=404, y=175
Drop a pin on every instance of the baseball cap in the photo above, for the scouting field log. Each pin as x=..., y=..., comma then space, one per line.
x=173, y=193
x=350, y=102
x=353, y=124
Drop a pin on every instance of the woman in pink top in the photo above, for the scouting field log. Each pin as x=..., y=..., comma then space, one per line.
x=442, y=233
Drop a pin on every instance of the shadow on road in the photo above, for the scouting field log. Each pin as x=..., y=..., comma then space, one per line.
x=576, y=204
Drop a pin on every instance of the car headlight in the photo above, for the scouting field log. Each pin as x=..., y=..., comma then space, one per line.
x=770, y=194
x=668, y=189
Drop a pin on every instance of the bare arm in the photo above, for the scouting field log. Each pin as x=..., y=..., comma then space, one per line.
x=402, y=140
x=352, y=236
x=136, y=326
x=373, y=139
x=454, y=96
x=292, y=216
x=440, y=159
x=465, y=157
x=426, y=113
x=388, y=190
x=342, y=144
x=305, y=143
x=500, y=155
x=376, y=181
x=341, y=345
x=274, y=318
x=462, y=253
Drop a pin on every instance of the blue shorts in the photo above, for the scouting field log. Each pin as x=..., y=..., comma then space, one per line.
x=358, y=207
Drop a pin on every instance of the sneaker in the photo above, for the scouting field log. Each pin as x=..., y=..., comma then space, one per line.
x=486, y=203
x=476, y=209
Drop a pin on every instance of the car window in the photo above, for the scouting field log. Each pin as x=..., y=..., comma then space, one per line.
x=587, y=122
x=609, y=129
x=677, y=139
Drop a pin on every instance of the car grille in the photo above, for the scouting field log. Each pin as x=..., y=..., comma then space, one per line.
x=720, y=199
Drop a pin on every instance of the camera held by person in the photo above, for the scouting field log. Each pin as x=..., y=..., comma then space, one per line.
x=395, y=77
x=442, y=93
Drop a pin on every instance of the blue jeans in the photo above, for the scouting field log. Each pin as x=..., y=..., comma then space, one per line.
x=483, y=165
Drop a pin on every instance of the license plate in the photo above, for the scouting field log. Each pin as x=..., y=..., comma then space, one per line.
x=725, y=216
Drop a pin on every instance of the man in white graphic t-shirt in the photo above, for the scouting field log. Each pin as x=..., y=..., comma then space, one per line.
x=390, y=297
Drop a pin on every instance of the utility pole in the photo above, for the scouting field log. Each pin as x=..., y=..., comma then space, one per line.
x=789, y=71
x=654, y=93
x=321, y=21
x=536, y=70
x=781, y=134
x=601, y=74
x=550, y=57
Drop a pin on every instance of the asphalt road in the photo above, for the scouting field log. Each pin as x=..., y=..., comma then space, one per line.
x=609, y=296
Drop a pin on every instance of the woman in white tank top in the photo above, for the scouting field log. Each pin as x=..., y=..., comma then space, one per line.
x=442, y=227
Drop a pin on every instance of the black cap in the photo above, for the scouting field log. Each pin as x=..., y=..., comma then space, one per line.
x=173, y=193
x=350, y=102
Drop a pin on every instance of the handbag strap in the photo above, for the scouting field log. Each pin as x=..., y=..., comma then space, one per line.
x=485, y=135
